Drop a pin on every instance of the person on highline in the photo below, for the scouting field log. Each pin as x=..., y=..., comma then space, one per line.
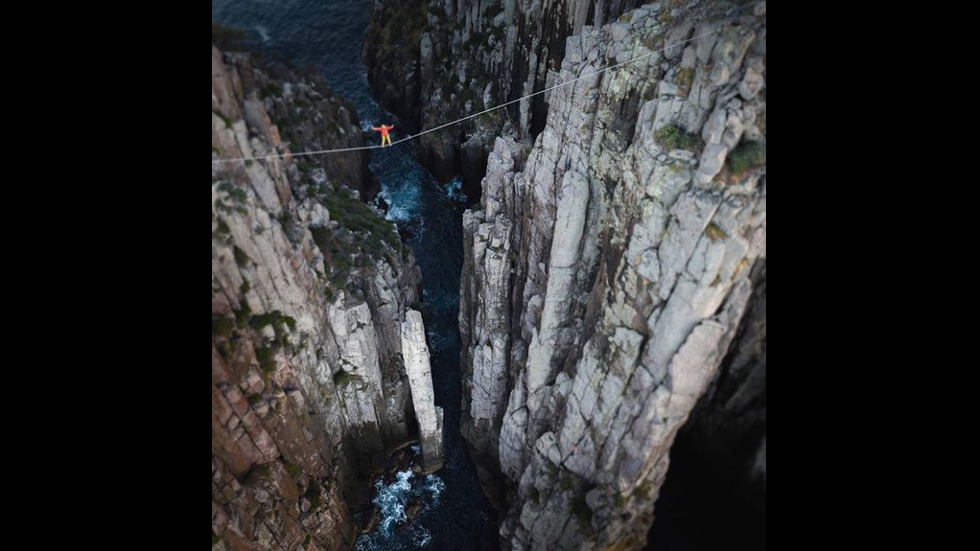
x=385, y=137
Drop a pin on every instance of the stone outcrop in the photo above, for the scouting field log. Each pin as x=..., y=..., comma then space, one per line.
x=419, y=372
x=610, y=268
x=729, y=424
x=308, y=290
x=431, y=63
x=298, y=112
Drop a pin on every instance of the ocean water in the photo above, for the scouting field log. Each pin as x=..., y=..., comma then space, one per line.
x=328, y=35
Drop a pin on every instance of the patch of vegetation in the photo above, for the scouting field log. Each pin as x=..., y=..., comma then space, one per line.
x=214, y=150
x=223, y=118
x=498, y=34
x=313, y=494
x=644, y=490
x=746, y=156
x=243, y=313
x=436, y=10
x=469, y=94
x=345, y=378
x=225, y=347
x=565, y=483
x=362, y=240
x=241, y=258
x=493, y=10
x=307, y=540
x=279, y=322
x=256, y=474
x=222, y=326
x=535, y=496
x=654, y=42
x=715, y=233
x=293, y=470
x=403, y=26
x=244, y=288
x=272, y=89
x=237, y=194
x=451, y=85
x=619, y=501
x=476, y=39
x=292, y=229
x=221, y=231
x=685, y=80
x=673, y=137
x=255, y=399
x=266, y=355
x=305, y=168
x=552, y=471
x=214, y=539
x=582, y=513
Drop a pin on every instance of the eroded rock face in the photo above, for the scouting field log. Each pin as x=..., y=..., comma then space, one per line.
x=297, y=112
x=308, y=290
x=419, y=372
x=431, y=63
x=609, y=269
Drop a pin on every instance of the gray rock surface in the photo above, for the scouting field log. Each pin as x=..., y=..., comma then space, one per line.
x=452, y=58
x=308, y=391
x=419, y=372
x=608, y=271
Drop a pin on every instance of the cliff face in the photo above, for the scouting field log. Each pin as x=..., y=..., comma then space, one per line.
x=438, y=61
x=717, y=476
x=419, y=370
x=297, y=112
x=609, y=270
x=729, y=423
x=309, y=287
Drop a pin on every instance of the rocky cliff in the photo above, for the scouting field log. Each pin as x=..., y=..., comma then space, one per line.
x=609, y=270
x=309, y=287
x=438, y=61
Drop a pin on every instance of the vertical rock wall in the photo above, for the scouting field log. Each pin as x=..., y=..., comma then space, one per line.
x=308, y=290
x=420, y=378
x=609, y=269
x=437, y=61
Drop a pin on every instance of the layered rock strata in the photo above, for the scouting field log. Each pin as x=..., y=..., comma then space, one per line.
x=609, y=269
x=308, y=290
x=419, y=372
x=437, y=61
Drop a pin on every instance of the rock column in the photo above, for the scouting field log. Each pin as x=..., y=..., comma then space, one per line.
x=419, y=372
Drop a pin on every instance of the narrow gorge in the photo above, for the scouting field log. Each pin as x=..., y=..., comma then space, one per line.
x=543, y=327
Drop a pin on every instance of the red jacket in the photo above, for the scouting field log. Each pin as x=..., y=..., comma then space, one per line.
x=384, y=129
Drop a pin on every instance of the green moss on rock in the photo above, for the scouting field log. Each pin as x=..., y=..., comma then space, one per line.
x=241, y=258
x=346, y=378
x=746, y=156
x=266, y=357
x=673, y=137
x=222, y=326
